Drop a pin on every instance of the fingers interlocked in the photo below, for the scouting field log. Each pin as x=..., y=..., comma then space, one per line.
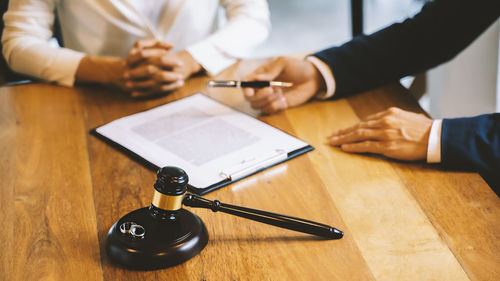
x=152, y=69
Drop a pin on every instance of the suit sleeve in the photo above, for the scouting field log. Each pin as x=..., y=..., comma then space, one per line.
x=473, y=143
x=436, y=34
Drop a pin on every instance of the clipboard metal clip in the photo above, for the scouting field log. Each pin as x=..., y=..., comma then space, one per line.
x=247, y=168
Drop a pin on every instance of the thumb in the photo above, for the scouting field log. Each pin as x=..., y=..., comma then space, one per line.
x=151, y=43
x=162, y=45
x=268, y=71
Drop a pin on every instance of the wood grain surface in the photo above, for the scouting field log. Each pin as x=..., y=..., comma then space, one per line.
x=62, y=188
x=48, y=212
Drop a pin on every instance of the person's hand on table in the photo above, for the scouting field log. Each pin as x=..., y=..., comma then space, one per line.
x=394, y=133
x=154, y=69
x=306, y=79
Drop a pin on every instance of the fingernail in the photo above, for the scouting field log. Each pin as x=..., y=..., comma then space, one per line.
x=284, y=101
x=126, y=75
x=129, y=85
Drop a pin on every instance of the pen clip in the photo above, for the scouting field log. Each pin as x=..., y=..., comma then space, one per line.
x=246, y=168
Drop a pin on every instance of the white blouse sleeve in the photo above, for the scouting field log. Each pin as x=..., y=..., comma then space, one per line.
x=26, y=47
x=247, y=25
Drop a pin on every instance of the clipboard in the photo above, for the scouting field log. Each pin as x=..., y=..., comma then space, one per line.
x=215, y=144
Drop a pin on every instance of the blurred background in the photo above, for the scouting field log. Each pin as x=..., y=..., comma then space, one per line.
x=465, y=86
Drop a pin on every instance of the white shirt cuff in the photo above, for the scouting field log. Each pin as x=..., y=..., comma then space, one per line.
x=327, y=74
x=210, y=58
x=434, y=144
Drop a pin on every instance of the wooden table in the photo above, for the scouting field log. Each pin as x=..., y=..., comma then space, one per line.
x=61, y=189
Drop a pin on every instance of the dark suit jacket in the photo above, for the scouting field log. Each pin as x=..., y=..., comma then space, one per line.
x=435, y=35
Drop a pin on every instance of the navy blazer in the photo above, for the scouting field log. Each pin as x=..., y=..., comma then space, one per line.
x=473, y=143
x=435, y=35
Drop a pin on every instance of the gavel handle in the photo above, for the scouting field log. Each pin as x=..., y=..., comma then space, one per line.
x=278, y=220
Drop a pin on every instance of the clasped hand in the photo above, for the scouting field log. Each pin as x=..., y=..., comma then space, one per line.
x=152, y=69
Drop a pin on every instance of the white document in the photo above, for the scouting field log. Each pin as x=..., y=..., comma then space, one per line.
x=209, y=140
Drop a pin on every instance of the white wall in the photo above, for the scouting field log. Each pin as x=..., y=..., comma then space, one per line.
x=467, y=85
x=498, y=73
x=300, y=26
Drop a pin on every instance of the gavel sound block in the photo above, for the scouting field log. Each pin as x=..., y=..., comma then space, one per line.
x=164, y=234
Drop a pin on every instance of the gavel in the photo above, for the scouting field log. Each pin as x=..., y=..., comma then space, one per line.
x=165, y=234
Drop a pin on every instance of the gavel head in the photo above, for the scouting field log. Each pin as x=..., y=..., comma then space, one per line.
x=161, y=235
x=170, y=189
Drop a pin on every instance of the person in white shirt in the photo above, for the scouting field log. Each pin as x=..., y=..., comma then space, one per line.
x=145, y=47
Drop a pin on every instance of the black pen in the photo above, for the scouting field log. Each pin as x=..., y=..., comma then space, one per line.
x=247, y=84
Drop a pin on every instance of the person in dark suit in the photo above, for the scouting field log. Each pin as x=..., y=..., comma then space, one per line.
x=435, y=35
